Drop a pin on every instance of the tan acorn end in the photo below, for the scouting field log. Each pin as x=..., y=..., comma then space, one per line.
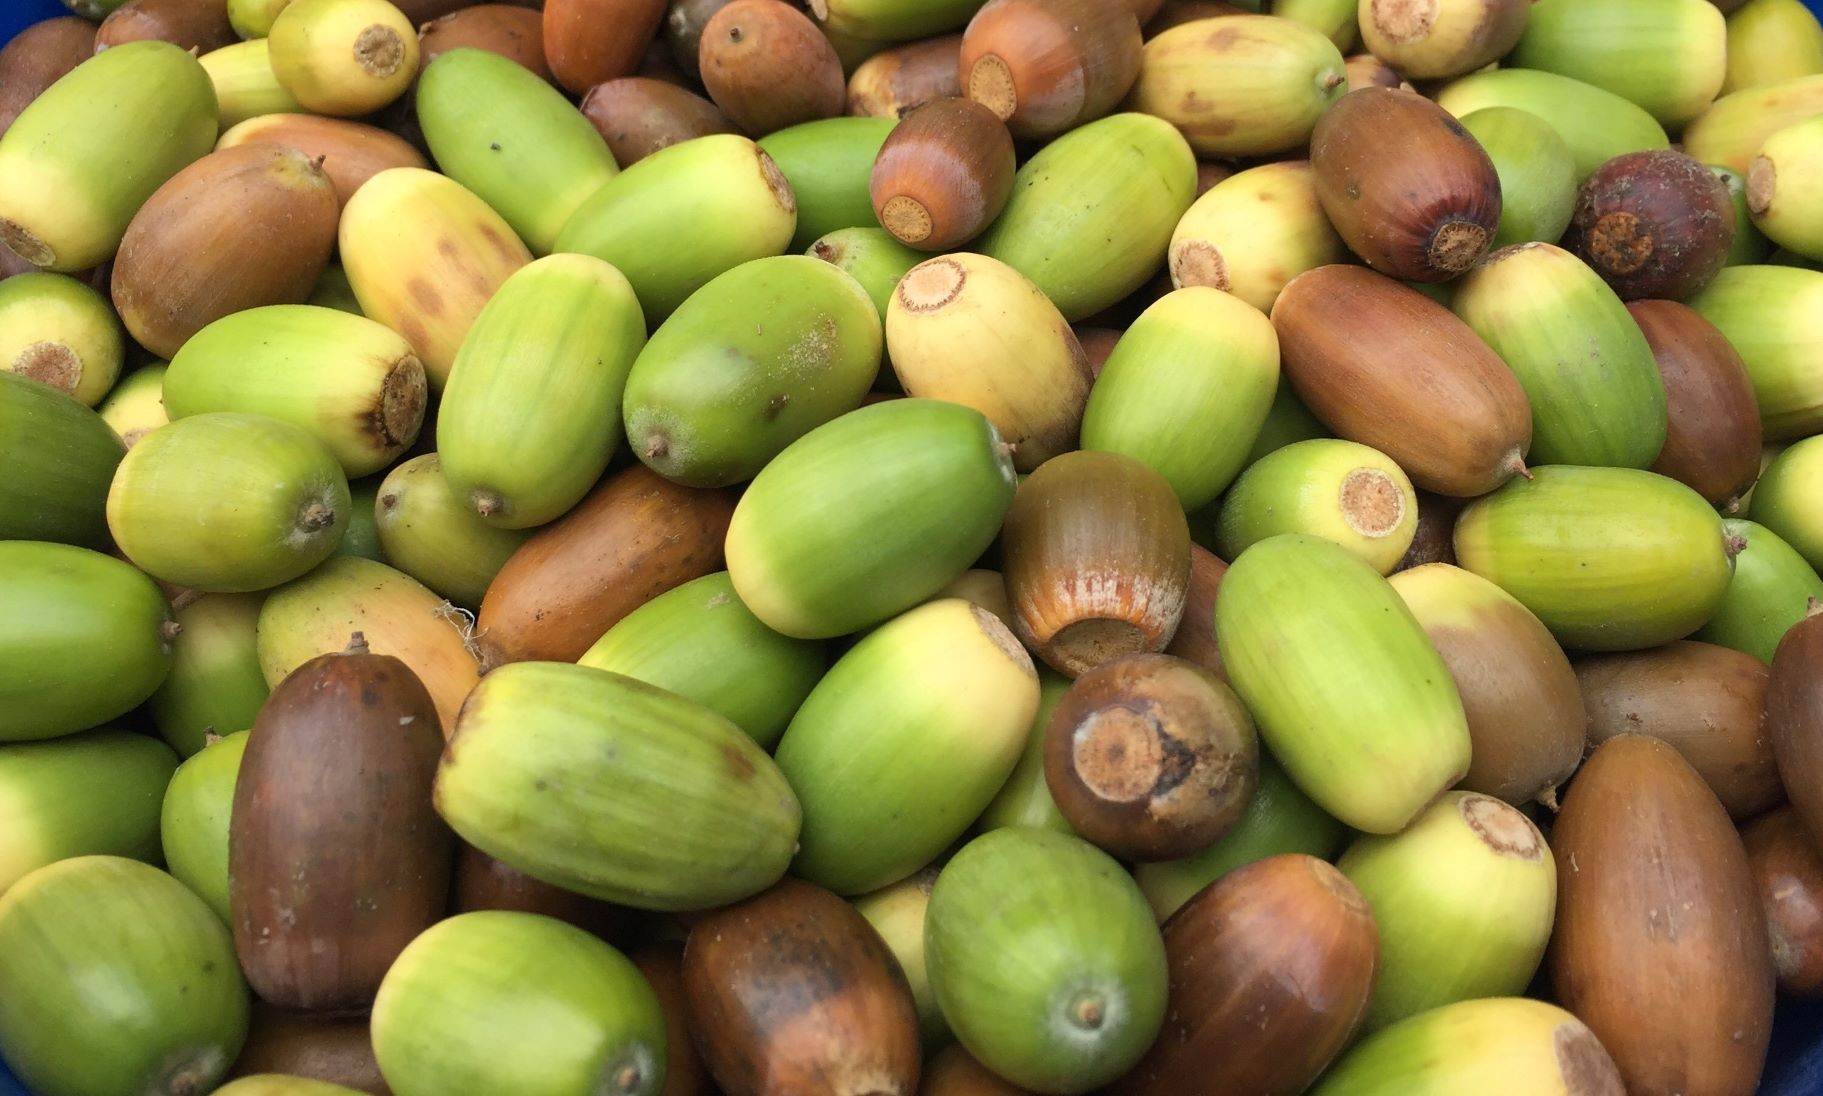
x=50, y=363
x=379, y=51
x=1092, y=642
x=1199, y=262
x=1815, y=608
x=357, y=644
x=1762, y=180
x=315, y=516
x=829, y=252
x=1500, y=827
x=487, y=503
x=932, y=285
x=1371, y=503
x=1547, y=798
x=210, y=737
x=990, y=83
x=1456, y=246
x=906, y=218
x=1116, y=754
x=24, y=243
x=400, y=412
x=1404, y=21
x=777, y=183
x=657, y=445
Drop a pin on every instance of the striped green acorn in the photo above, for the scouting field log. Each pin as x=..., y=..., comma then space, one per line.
x=1771, y=41
x=868, y=515
x=282, y=1084
x=698, y=641
x=1789, y=499
x=136, y=406
x=81, y=795
x=1025, y=798
x=1773, y=317
x=1279, y=819
x=1537, y=173
x=1347, y=493
x=1502, y=1044
x=350, y=383
x=1186, y=390
x=1731, y=132
x=897, y=913
x=1770, y=590
x=1596, y=393
x=59, y=331
x=828, y=163
x=1347, y=691
x=343, y=57
x=83, y=638
x=1464, y=899
x=362, y=537
x=1333, y=19
x=1596, y=124
x=615, y=789
x=82, y=158
x=684, y=214
x=59, y=458
x=870, y=256
x=1092, y=212
x=193, y=820
x=427, y=531
x=1668, y=56
x=893, y=20
x=253, y=18
x=160, y=1009
x=1784, y=188
x=510, y=137
x=503, y=1001
x=529, y=417
x=228, y=503
x=1610, y=559
x=245, y=85
x=1045, y=960
x=215, y=683
x=1253, y=232
x=1287, y=421
x=752, y=361
x=946, y=694
x=1750, y=244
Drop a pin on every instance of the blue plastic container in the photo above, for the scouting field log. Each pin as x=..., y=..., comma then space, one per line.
x=15, y=16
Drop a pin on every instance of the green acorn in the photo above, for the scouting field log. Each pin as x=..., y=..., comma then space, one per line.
x=433, y=535
x=897, y=913
x=215, y=683
x=59, y=458
x=1732, y=131
x=893, y=20
x=58, y=331
x=136, y=406
x=870, y=256
x=1596, y=124
x=81, y=795
x=1668, y=56
x=1771, y=590
x=1773, y=316
x=194, y=818
x=828, y=163
x=1750, y=245
x=1788, y=499
x=1025, y=798
x=362, y=537
x=1771, y=41
x=1783, y=193
x=245, y=85
x=1346, y=493
x=1253, y=232
x=1537, y=174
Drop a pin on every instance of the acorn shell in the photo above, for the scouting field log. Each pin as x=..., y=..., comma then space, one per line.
x=85, y=794
x=343, y=57
x=512, y=31
x=1047, y=67
x=482, y=883
x=429, y=532
x=943, y=174
x=1782, y=499
x=897, y=914
x=37, y=57
x=893, y=83
x=638, y=115
x=59, y=332
x=1794, y=717
x=1780, y=193
x=1771, y=588
x=332, y=1050
x=1252, y=232
x=589, y=41
x=767, y=66
x=1442, y=38
x=1712, y=436
x=1597, y=124
x=1537, y=173
x=245, y=86
x=215, y=683
x=1653, y=224
x=873, y=257
x=662, y=962
x=1788, y=869
x=828, y=162
x=188, y=24
x=351, y=152
x=1669, y=56
x=1343, y=491
x=1772, y=316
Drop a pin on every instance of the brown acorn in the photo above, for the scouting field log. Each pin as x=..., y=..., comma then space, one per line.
x=662, y=962
x=1788, y=868
x=336, y=1050
x=323, y=900
x=1435, y=541
x=237, y=229
x=201, y=25
x=38, y=57
x=943, y=174
x=1653, y=223
x=1705, y=700
x=633, y=537
x=1794, y=717
x=1383, y=365
x=1097, y=343
x=420, y=12
x=1047, y=66
x=955, y=1072
x=1208, y=174
x=1173, y=13
x=1151, y=757
x=683, y=31
x=1270, y=971
x=588, y=41
x=768, y=66
x=638, y=115
x=513, y=32
x=792, y=991
x=1408, y=189
x=1195, y=638
x=351, y=152
x=483, y=883
x=1096, y=554
x=1713, y=436
x=1660, y=943
x=897, y=81
x=1367, y=71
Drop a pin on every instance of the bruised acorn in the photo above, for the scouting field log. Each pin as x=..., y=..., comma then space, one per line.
x=588, y=41
x=1151, y=757
x=38, y=57
x=1276, y=957
x=1712, y=435
x=481, y=882
x=514, y=32
x=943, y=175
x=768, y=67
x=1096, y=553
x=334, y=1050
x=1047, y=66
x=1788, y=869
x=793, y=991
x=314, y=926
x=200, y=25
x=1408, y=189
x=350, y=153
x=1794, y=717
x=1382, y=364
x=1653, y=224
x=898, y=81
x=1660, y=943
x=638, y=115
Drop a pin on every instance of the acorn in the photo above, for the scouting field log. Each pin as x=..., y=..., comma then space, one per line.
x=1783, y=499
x=1788, y=869
x=1252, y=232
x=1794, y=717
x=1660, y=944
x=1151, y=757
x=682, y=32
x=1779, y=193
x=1653, y=224
x=1367, y=71
x=331, y=1050
x=99, y=792
x=1771, y=41
x=1097, y=559
x=1771, y=315
x=37, y=57
x=512, y=31
x=186, y=24
x=1596, y=124
x=897, y=914
x=135, y=407
x=60, y=459
x=589, y=41
x=1772, y=584
x=343, y=57
x=637, y=116
x=873, y=257
x=1047, y=67
x=1712, y=435
x=1537, y=173
x=1436, y=527
x=1345, y=492
x=767, y=66
x=1278, y=956
x=1025, y=798
x=662, y=962
x=60, y=332
x=1669, y=56
x=943, y=175
x=828, y=162
x=350, y=153
x=1447, y=38
x=215, y=679
x=427, y=531
x=1384, y=366
x=245, y=85
x=793, y=990
x=480, y=882
x=1750, y=244
x=892, y=20
x=1407, y=187
x=1335, y=19
x=893, y=83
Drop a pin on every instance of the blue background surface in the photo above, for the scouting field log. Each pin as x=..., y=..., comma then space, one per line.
x=1796, y=1067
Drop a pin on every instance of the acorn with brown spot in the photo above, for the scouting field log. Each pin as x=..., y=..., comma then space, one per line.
x=943, y=175
x=1047, y=66
x=1653, y=223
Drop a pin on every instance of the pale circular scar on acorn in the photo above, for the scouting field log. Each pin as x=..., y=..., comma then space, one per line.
x=1501, y=827
x=1199, y=262
x=932, y=284
x=379, y=51
x=990, y=83
x=1116, y=754
x=1371, y=502
x=50, y=363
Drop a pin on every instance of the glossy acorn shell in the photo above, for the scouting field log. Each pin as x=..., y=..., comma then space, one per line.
x=135, y=406
x=589, y=41
x=37, y=57
x=82, y=795
x=343, y=57
x=1382, y=365
x=876, y=259
x=1661, y=943
x=792, y=989
x=1345, y=492
x=351, y=152
x=1045, y=68
x=215, y=683
x=893, y=83
x=1669, y=56
x=768, y=66
x=1537, y=173
x=60, y=458
x=58, y=331
x=1277, y=956
x=1653, y=224
x=1788, y=869
x=1772, y=315
x=943, y=174
x=332, y=1050
x=187, y=24
x=1712, y=437
x=426, y=530
x=1794, y=718
x=510, y=30
x=1771, y=588
x=638, y=115
x=1254, y=231
x=1783, y=499
x=1439, y=38
x=1194, y=640
x=1597, y=124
